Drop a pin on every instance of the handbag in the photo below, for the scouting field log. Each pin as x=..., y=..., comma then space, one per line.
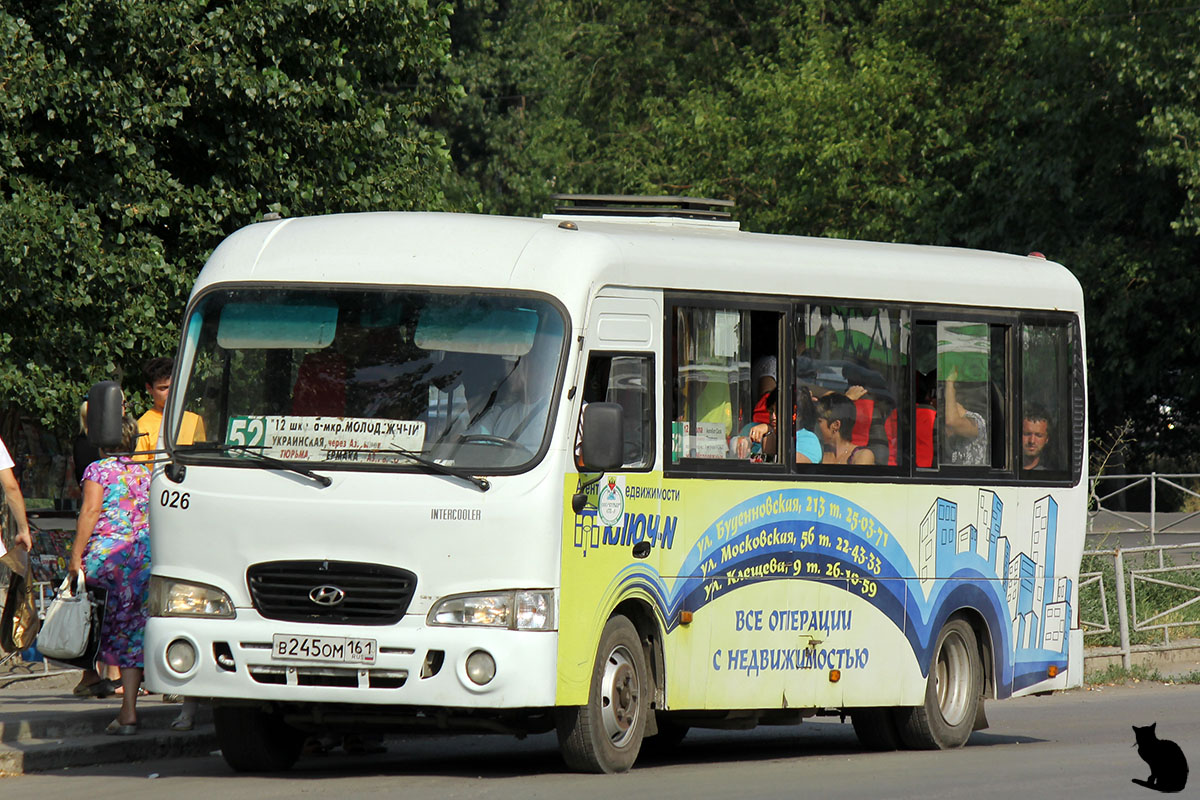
x=99, y=597
x=68, y=623
x=19, y=623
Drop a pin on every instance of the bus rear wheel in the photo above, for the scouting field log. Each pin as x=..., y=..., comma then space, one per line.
x=606, y=734
x=254, y=740
x=952, y=693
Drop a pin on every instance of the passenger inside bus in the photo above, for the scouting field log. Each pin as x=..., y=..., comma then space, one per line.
x=836, y=416
x=764, y=378
x=875, y=420
x=965, y=430
x=761, y=438
x=808, y=445
x=1035, y=438
x=320, y=388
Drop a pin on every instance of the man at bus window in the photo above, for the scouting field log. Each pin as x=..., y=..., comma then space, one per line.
x=515, y=410
x=1035, y=435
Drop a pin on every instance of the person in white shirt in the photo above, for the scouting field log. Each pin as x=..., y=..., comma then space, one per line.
x=516, y=411
x=16, y=503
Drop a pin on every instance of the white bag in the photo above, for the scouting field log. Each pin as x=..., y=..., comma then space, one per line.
x=68, y=621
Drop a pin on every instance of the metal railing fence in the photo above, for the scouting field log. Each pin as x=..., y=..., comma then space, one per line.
x=1155, y=587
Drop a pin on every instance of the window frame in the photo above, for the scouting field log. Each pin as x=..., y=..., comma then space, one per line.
x=652, y=434
x=955, y=473
x=731, y=467
x=884, y=472
x=1075, y=404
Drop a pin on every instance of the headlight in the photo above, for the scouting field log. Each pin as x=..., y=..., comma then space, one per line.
x=175, y=598
x=521, y=609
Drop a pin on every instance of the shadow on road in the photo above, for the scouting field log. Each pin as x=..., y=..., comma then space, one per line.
x=493, y=758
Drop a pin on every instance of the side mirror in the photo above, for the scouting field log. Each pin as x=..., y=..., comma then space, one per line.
x=603, y=437
x=104, y=415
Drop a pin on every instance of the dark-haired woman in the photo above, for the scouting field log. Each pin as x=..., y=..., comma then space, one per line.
x=112, y=547
x=835, y=424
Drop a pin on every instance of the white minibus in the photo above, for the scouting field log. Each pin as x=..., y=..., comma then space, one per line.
x=618, y=472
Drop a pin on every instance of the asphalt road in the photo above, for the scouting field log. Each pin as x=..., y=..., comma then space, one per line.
x=1075, y=744
x=1108, y=530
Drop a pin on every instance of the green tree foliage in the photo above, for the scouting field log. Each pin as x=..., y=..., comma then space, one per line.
x=1013, y=125
x=135, y=135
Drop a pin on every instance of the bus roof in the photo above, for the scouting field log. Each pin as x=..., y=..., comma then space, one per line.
x=568, y=257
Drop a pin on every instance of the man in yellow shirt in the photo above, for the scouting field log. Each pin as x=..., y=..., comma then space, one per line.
x=158, y=385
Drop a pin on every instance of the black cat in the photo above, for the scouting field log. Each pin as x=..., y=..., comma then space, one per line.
x=1168, y=767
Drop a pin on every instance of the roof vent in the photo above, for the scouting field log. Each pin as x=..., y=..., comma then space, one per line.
x=636, y=205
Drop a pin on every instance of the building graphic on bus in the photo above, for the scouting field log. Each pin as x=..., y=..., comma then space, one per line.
x=1038, y=602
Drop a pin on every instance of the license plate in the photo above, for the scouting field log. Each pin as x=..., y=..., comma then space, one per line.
x=329, y=649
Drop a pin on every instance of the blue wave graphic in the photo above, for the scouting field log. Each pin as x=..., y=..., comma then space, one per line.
x=821, y=537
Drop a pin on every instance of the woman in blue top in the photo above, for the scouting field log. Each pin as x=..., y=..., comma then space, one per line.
x=808, y=446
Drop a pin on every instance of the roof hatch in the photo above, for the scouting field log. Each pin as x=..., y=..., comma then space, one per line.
x=642, y=206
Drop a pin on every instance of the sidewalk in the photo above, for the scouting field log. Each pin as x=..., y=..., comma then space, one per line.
x=44, y=727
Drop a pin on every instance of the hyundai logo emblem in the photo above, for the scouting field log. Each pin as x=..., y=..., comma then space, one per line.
x=326, y=595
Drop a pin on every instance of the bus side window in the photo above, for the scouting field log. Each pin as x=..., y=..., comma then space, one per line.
x=850, y=371
x=960, y=394
x=1045, y=399
x=726, y=364
x=627, y=380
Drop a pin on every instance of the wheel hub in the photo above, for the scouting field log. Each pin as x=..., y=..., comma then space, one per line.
x=953, y=681
x=620, y=696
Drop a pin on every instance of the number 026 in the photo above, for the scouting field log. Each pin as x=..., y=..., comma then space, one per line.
x=173, y=499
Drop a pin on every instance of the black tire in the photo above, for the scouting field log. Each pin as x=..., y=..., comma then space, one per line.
x=606, y=734
x=952, y=693
x=254, y=740
x=876, y=728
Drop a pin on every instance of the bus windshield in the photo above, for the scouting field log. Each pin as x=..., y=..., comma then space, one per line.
x=369, y=378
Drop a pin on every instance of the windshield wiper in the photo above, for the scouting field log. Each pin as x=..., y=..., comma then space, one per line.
x=260, y=458
x=483, y=484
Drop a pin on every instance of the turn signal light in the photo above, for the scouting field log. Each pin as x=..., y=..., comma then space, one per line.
x=835, y=675
x=685, y=617
x=1052, y=670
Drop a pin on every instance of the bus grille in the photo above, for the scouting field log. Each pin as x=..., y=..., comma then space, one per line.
x=371, y=594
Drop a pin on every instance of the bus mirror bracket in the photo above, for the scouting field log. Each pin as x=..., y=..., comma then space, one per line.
x=579, y=499
x=104, y=415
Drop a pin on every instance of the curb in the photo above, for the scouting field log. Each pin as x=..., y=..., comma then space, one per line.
x=42, y=755
x=42, y=739
x=1182, y=658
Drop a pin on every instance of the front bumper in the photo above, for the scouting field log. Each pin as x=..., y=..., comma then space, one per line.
x=417, y=664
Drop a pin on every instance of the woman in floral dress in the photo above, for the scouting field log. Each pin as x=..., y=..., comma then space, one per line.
x=112, y=546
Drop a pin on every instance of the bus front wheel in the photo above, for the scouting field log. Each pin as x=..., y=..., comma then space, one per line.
x=952, y=693
x=254, y=740
x=606, y=734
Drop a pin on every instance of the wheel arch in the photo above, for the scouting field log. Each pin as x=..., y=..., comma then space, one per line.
x=640, y=612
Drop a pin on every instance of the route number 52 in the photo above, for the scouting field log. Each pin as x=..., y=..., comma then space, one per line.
x=247, y=431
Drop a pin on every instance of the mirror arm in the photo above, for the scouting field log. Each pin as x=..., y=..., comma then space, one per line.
x=579, y=499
